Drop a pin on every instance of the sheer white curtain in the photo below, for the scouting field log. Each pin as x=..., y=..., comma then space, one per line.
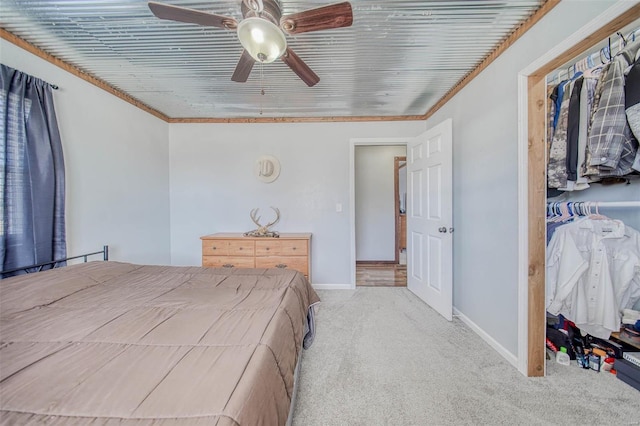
x=32, y=220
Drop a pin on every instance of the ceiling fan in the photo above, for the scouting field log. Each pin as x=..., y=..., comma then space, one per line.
x=261, y=32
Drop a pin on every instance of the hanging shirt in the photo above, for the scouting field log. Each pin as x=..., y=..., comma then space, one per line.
x=611, y=143
x=587, y=169
x=632, y=104
x=552, y=226
x=573, y=130
x=632, y=97
x=593, y=272
x=587, y=96
x=551, y=113
x=557, y=167
x=556, y=96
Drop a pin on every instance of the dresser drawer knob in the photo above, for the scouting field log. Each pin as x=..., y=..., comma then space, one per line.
x=228, y=265
x=294, y=248
x=214, y=248
x=268, y=249
x=281, y=265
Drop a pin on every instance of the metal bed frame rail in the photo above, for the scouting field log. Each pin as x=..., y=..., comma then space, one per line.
x=39, y=266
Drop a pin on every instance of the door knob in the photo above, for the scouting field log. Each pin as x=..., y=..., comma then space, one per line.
x=442, y=229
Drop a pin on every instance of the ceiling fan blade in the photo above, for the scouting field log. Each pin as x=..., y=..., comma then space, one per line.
x=322, y=18
x=298, y=66
x=244, y=67
x=192, y=16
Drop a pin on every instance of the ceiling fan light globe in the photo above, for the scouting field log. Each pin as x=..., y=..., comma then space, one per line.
x=264, y=41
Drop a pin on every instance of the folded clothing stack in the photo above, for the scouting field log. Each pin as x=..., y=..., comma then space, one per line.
x=631, y=317
x=630, y=335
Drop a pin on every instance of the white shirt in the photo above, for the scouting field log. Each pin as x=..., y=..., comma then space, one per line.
x=593, y=272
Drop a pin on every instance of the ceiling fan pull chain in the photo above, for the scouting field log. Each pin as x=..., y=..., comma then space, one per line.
x=261, y=86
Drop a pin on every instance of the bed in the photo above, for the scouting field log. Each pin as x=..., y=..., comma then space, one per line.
x=107, y=343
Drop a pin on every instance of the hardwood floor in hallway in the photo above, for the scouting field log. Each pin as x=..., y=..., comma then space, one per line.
x=381, y=275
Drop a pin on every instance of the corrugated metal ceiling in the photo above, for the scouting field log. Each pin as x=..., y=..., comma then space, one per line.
x=397, y=59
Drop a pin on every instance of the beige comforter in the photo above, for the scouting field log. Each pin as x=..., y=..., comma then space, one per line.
x=117, y=343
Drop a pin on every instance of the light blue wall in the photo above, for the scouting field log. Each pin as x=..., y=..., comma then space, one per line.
x=213, y=187
x=117, y=166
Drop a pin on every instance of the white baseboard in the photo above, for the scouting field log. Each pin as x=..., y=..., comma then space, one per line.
x=333, y=286
x=513, y=360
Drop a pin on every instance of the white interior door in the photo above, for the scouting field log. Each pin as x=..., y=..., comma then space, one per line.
x=429, y=218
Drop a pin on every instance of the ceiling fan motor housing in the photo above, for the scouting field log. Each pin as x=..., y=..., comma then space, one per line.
x=271, y=11
x=262, y=31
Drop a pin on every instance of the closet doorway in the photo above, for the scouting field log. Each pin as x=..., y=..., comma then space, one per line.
x=379, y=183
x=533, y=143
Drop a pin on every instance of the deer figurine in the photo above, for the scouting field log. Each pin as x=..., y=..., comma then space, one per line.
x=263, y=231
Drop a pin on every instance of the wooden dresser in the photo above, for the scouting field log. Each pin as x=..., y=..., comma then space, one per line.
x=291, y=251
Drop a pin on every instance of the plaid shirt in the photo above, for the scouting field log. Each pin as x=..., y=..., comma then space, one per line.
x=587, y=106
x=611, y=144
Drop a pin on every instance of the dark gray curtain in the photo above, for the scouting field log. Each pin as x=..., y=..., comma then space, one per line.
x=31, y=173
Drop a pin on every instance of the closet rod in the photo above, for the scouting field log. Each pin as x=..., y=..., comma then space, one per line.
x=615, y=203
x=596, y=56
x=600, y=203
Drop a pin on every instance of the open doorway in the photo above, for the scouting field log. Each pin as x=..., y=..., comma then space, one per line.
x=380, y=204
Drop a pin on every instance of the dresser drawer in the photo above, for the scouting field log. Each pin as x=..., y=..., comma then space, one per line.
x=228, y=262
x=235, y=250
x=241, y=248
x=281, y=247
x=298, y=263
x=294, y=247
x=227, y=248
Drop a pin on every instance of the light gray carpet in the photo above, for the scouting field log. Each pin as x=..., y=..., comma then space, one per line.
x=383, y=357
